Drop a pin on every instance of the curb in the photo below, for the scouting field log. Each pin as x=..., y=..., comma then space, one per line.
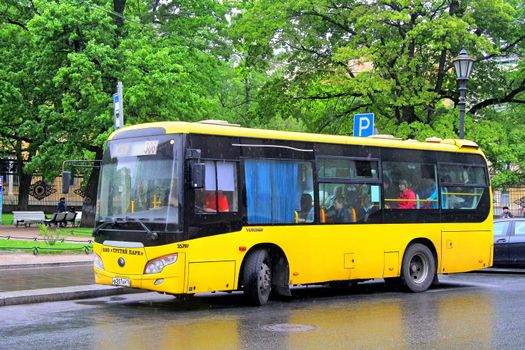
x=61, y=294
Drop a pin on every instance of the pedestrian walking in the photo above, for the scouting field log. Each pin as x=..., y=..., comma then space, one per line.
x=506, y=213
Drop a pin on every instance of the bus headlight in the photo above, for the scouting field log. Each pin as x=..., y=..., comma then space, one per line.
x=97, y=262
x=156, y=265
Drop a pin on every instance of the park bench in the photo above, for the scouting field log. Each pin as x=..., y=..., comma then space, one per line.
x=78, y=218
x=70, y=218
x=56, y=219
x=28, y=217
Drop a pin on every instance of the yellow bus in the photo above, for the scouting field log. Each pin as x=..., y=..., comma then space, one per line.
x=186, y=208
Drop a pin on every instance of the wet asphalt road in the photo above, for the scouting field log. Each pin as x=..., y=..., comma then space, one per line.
x=466, y=311
x=25, y=278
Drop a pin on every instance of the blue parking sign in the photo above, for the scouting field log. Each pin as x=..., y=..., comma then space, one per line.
x=364, y=124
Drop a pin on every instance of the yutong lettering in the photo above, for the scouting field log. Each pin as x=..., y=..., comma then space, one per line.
x=122, y=251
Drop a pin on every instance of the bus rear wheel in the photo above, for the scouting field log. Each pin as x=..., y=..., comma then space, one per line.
x=418, y=269
x=257, y=277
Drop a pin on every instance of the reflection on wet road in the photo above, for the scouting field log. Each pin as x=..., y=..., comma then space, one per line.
x=467, y=311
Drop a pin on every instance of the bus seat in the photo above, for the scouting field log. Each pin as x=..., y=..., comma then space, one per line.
x=323, y=215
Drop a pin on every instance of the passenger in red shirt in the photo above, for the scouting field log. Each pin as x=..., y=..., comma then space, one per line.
x=408, y=196
x=210, y=203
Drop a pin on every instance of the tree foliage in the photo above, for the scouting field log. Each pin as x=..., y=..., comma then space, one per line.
x=61, y=60
x=393, y=58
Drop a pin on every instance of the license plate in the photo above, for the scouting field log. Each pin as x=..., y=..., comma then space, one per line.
x=118, y=281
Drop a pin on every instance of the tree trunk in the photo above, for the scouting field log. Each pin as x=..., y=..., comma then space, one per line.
x=90, y=195
x=24, y=180
x=409, y=114
x=118, y=7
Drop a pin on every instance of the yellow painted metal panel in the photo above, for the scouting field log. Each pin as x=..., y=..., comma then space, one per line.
x=465, y=250
x=349, y=261
x=134, y=260
x=211, y=276
x=391, y=264
x=170, y=280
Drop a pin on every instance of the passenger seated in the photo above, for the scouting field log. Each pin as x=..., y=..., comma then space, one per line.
x=210, y=202
x=406, y=195
x=329, y=202
x=429, y=194
x=366, y=208
x=306, y=214
x=340, y=214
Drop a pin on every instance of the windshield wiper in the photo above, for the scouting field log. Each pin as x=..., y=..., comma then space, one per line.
x=102, y=226
x=151, y=235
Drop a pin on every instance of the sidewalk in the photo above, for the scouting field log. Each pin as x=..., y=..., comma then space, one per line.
x=27, y=278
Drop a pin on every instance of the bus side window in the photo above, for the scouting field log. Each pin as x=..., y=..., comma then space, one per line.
x=275, y=190
x=462, y=186
x=220, y=191
x=410, y=185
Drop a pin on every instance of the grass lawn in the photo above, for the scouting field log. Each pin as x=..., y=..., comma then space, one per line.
x=76, y=231
x=43, y=247
x=7, y=219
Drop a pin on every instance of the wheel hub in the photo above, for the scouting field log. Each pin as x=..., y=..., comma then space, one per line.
x=419, y=266
x=265, y=277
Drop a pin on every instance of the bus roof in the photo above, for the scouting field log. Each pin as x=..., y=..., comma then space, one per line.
x=225, y=129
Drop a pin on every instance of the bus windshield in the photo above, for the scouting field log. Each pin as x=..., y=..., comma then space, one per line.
x=139, y=181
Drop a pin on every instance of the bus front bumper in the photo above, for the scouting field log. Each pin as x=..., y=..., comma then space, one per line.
x=161, y=282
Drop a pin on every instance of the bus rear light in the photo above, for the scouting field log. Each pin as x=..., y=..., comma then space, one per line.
x=97, y=262
x=156, y=265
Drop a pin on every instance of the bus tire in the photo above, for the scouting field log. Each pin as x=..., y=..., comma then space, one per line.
x=418, y=269
x=257, y=277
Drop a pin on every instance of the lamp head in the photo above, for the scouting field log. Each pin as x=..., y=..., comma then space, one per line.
x=463, y=64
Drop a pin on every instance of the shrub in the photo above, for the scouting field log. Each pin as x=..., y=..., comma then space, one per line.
x=51, y=236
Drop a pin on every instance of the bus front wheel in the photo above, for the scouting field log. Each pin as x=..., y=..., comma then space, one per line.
x=418, y=269
x=257, y=277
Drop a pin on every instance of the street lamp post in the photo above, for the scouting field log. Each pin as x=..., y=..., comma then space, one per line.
x=463, y=64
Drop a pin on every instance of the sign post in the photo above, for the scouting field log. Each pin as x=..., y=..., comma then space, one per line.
x=118, y=107
x=364, y=124
x=1, y=195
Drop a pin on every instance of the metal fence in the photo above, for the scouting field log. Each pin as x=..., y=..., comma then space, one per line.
x=42, y=193
x=513, y=197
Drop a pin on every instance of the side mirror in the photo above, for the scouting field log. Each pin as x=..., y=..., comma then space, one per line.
x=66, y=179
x=198, y=175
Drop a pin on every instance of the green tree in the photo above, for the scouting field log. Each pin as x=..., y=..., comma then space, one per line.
x=393, y=58
x=58, y=92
